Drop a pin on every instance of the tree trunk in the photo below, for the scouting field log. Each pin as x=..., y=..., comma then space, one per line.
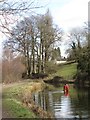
x=38, y=62
x=42, y=62
x=28, y=61
x=33, y=57
x=46, y=59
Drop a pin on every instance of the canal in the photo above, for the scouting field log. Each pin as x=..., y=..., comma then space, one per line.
x=75, y=104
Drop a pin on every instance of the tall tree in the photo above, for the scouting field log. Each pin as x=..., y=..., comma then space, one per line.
x=50, y=34
x=22, y=40
x=34, y=38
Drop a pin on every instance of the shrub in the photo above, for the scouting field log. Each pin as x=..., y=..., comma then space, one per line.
x=38, y=75
x=12, y=70
x=51, y=67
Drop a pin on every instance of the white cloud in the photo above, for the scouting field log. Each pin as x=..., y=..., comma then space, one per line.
x=72, y=14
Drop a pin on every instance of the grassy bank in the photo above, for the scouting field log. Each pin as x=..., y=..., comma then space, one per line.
x=12, y=99
x=67, y=71
x=16, y=109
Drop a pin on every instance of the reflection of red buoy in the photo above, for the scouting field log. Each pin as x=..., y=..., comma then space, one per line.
x=66, y=89
x=66, y=93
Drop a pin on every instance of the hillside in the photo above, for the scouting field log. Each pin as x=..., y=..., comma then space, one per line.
x=67, y=71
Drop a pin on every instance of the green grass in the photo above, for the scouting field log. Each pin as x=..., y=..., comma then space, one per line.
x=17, y=110
x=11, y=101
x=67, y=71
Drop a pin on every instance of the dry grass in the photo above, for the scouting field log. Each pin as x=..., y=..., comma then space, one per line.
x=29, y=102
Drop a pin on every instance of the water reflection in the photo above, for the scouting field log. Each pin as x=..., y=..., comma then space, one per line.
x=65, y=105
x=66, y=93
x=63, y=108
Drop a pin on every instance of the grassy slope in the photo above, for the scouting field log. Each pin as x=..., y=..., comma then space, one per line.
x=67, y=71
x=12, y=102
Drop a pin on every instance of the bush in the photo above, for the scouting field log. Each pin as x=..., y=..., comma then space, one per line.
x=82, y=75
x=51, y=67
x=12, y=70
x=38, y=75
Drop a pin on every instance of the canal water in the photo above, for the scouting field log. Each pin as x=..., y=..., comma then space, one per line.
x=75, y=104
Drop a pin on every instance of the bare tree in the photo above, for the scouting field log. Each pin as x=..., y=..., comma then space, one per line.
x=12, y=68
x=13, y=11
x=76, y=40
x=49, y=35
x=77, y=36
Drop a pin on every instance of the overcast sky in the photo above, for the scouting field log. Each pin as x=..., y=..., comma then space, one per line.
x=66, y=13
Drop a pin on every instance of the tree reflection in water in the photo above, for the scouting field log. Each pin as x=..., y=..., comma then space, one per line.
x=74, y=104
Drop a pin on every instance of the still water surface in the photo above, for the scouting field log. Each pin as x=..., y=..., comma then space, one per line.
x=75, y=104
